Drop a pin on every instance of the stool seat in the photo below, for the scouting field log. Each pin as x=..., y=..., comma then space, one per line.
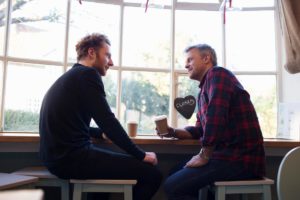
x=102, y=185
x=46, y=179
x=245, y=182
x=105, y=181
x=32, y=194
x=243, y=187
x=8, y=181
x=37, y=171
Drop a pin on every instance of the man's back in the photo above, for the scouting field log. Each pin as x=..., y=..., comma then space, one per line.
x=64, y=122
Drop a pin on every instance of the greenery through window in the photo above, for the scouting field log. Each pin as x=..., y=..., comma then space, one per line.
x=147, y=50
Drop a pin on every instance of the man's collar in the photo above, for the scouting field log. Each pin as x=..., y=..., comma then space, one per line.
x=203, y=79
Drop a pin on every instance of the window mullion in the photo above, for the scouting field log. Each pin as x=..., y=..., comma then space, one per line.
x=6, y=41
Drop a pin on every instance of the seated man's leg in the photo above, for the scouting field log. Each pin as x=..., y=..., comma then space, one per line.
x=185, y=183
x=103, y=164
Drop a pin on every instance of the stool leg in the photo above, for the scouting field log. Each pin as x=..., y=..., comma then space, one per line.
x=203, y=193
x=244, y=197
x=220, y=193
x=267, y=192
x=77, y=191
x=65, y=191
x=127, y=192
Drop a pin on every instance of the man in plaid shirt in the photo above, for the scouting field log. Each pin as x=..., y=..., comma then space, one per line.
x=227, y=128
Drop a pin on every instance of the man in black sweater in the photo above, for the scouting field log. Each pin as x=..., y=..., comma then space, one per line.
x=65, y=133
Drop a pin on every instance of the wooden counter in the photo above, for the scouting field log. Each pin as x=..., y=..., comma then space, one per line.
x=28, y=142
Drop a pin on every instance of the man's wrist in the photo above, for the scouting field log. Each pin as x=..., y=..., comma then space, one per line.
x=173, y=134
x=202, y=154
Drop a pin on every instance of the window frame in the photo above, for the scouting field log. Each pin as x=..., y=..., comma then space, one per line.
x=175, y=73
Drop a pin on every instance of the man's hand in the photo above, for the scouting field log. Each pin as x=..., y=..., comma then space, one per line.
x=170, y=133
x=196, y=161
x=150, y=157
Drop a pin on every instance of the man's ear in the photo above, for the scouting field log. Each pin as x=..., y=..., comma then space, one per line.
x=207, y=58
x=91, y=52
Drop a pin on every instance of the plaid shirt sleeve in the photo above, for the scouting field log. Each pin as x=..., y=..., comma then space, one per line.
x=214, y=105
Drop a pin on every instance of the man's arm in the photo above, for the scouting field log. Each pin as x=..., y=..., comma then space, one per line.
x=189, y=132
x=181, y=133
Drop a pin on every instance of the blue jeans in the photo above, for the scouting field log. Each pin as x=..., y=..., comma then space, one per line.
x=184, y=183
x=98, y=163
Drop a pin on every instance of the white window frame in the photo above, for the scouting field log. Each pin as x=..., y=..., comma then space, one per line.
x=175, y=73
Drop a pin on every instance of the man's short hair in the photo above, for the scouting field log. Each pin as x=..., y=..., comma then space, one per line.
x=204, y=48
x=94, y=40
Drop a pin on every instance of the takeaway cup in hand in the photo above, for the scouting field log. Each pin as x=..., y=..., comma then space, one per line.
x=132, y=128
x=161, y=125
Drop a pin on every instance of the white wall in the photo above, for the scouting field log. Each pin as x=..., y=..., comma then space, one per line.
x=290, y=87
x=289, y=106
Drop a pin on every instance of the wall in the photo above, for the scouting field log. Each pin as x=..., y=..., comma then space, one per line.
x=13, y=161
x=290, y=87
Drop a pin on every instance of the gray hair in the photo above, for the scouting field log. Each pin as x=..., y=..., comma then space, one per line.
x=204, y=48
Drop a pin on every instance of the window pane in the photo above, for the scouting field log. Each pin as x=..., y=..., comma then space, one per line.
x=39, y=27
x=146, y=39
x=26, y=85
x=144, y=95
x=204, y=31
x=186, y=87
x=1, y=86
x=262, y=90
x=253, y=3
x=152, y=2
x=250, y=41
x=90, y=17
x=2, y=25
x=199, y=1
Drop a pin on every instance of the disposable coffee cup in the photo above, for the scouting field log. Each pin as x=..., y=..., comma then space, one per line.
x=132, y=128
x=161, y=124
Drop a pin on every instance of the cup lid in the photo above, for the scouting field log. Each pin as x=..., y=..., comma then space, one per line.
x=132, y=122
x=160, y=117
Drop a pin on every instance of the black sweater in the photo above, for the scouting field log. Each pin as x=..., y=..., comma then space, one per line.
x=67, y=109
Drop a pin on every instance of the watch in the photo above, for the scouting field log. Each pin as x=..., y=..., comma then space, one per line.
x=174, y=133
x=203, y=155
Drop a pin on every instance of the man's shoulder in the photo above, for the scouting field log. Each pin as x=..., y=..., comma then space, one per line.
x=82, y=72
x=221, y=71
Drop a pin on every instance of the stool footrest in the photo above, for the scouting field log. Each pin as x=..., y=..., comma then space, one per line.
x=243, y=187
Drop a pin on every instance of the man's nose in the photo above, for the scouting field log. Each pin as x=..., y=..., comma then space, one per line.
x=110, y=63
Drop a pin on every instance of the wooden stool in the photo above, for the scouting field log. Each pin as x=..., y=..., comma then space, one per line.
x=99, y=185
x=32, y=194
x=8, y=181
x=243, y=187
x=46, y=179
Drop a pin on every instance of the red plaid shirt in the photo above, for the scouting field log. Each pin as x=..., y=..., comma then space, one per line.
x=227, y=119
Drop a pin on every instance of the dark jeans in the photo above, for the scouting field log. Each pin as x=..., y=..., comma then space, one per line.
x=184, y=183
x=97, y=163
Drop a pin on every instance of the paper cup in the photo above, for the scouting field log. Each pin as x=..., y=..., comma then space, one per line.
x=161, y=123
x=132, y=128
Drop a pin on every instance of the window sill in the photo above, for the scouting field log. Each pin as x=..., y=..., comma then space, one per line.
x=147, y=140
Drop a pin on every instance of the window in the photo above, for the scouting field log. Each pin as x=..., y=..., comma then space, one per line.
x=2, y=25
x=90, y=17
x=150, y=45
x=26, y=85
x=200, y=30
x=147, y=50
x=144, y=95
x=33, y=27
